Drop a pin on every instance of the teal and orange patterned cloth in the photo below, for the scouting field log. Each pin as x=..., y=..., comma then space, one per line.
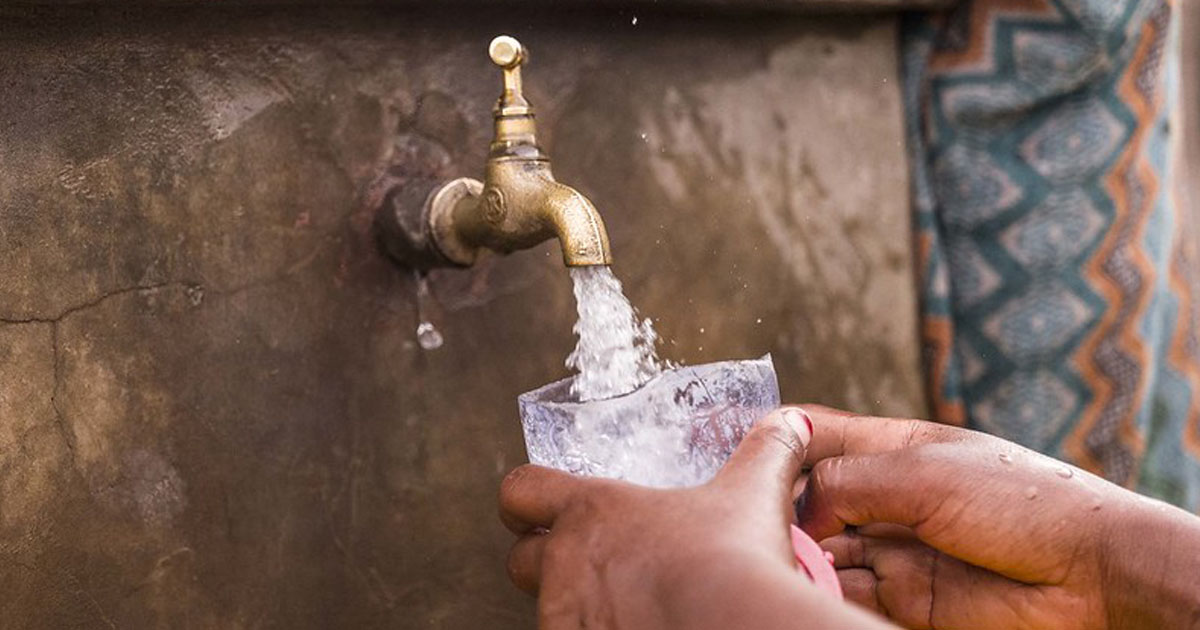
x=1058, y=281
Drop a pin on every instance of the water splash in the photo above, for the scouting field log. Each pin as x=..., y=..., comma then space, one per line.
x=615, y=353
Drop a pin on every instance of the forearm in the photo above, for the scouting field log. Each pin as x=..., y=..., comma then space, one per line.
x=1154, y=568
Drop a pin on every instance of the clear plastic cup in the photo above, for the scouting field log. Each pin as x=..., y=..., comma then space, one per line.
x=676, y=430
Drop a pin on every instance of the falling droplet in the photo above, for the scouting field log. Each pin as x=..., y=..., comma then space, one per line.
x=1031, y=492
x=635, y=20
x=1065, y=473
x=758, y=321
x=1006, y=458
x=429, y=337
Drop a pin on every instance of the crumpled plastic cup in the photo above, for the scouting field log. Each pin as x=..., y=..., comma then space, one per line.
x=674, y=431
x=677, y=430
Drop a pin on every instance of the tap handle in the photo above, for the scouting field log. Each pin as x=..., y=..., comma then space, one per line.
x=509, y=54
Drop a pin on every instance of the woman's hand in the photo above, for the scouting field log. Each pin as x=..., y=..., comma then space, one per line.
x=603, y=554
x=957, y=529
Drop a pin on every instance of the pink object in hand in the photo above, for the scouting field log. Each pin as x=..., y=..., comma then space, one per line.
x=815, y=562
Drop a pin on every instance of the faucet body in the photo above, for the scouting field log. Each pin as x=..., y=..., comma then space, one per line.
x=518, y=205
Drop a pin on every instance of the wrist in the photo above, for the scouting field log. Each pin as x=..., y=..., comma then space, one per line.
x=1151, y=567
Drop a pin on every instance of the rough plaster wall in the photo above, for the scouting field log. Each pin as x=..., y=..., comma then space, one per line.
x=213, y=412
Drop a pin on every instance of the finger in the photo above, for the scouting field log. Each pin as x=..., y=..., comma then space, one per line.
x=886, y=530
x=852, y=549
x=859, y=586
x=798, y=485
x=771, y=455
x=525, y=562
x=837, y=433
x=908, y=488
x=533, y=496
x=847, y=549
x=563, y=589
x=898, y=572
x=844, y=491
x=944, y=494
x=905, y=574
x=918, y=587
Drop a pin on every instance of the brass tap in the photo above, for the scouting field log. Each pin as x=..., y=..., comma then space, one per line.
x=517, y=205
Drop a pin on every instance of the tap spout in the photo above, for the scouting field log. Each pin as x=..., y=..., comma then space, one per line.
x=579, y=228
x=519, y=205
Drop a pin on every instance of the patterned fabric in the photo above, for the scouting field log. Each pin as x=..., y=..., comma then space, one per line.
x=1057, y=279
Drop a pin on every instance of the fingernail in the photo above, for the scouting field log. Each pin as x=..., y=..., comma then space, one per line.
x=800, y=422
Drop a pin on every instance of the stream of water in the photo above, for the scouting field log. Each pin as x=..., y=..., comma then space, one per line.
x=615, y=353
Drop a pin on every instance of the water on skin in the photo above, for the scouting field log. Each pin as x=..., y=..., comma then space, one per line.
x=615, y=353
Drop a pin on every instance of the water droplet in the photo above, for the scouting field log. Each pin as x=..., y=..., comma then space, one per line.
x=1006, y=458
x=635, y=20
x=644, y=137
x=429, y=337
x=1065, y=473
x=1031, y=492
x=701, y=331
x=758, y=321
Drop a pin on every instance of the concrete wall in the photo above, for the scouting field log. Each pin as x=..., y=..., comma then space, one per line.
x=213, y=410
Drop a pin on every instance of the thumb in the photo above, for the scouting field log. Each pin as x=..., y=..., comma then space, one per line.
x=771, y=455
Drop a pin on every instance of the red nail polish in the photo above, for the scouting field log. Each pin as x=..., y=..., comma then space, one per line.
x=807, y=420
x=794, y=415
